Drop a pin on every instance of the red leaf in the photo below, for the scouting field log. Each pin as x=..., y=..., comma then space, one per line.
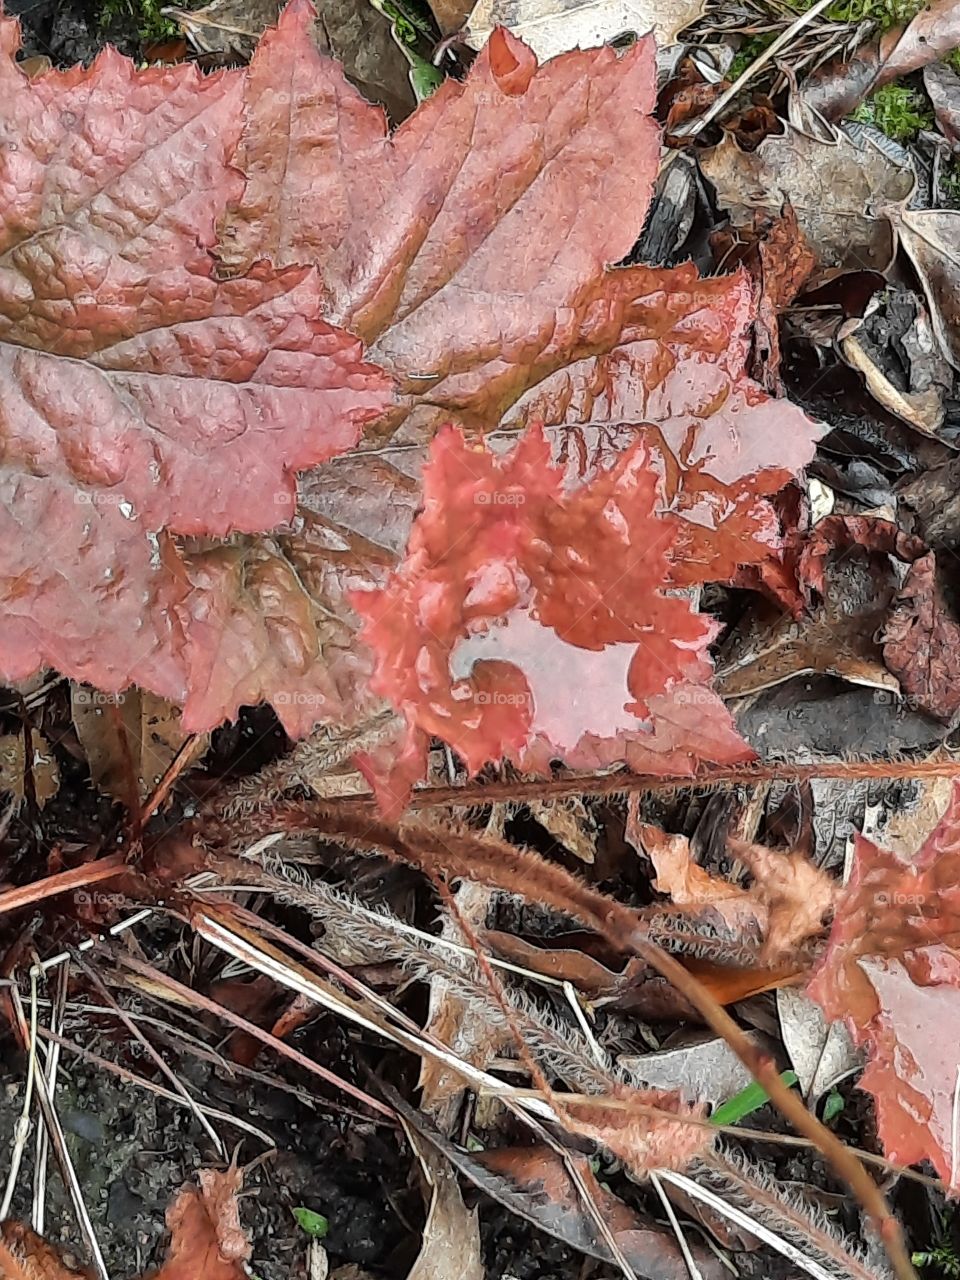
x=140, y=392
x=526, y=623
x=462, y=248
x=891, y=971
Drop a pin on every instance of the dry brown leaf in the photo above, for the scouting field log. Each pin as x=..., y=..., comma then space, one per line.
x=550, y=27
x=464, y=1029
x=931, y=237
x=135, y=731
x=921, y=643
x=793, y=893
x=687, y=884
x=943, y=89
x=207, y=1239
x=46, y=775
x=451, y=1234
x=570, y=823
x=25, y=1256
x=836, y=189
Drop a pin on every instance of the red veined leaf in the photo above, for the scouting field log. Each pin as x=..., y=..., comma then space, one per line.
x=527, y=623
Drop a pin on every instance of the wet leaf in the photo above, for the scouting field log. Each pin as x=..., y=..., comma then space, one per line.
x=550, y=27
x=144, y=395
x=525, y=623
x=891, y=971
x=921, y=643
x=836, y=188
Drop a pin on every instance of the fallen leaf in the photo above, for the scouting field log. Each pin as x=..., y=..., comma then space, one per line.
x=128, y=739
x=706, y=1070
x=931, y=238
x=943, y=89
x=451, y=1233
x=837, y=636
x=921, y=643
x=46, y=775
x=206, y=1238
x=464, y=1028
x=890, y=970
x=490, y=633
x=837, y=189
x=550, y=27
x=786, y=904
x=25, y=1256
x=836, y=89
x=821, y=1052
x=570, y=823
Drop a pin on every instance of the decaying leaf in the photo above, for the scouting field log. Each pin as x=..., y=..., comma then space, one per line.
x=787, y=903
x=932, y=239
x=836, y=89
x=550, y=27
x=463, y=1028
x=570, y=823
x=128, y=738
x=525, y=623
x=46, y=775
x=837, y=189
x=451, y=1233
x=821, y=1052
x=206, y=1238
x=921, y=642
x=943, y=89
x=891, y=971
x=706, y=1069
x=25, y=1256
x=352, y=31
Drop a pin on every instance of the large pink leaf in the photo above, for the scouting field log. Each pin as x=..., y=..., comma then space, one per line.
x=469, y=249
x=141, y=393
x=892, y=970
x=527, y=623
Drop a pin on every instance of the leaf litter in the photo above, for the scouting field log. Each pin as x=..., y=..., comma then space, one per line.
x=478, y=493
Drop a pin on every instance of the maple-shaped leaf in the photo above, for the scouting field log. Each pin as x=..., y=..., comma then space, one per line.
x=462, y=249
x=143, y=396
x=677, y=375
x=891, y=970
x=527, y=623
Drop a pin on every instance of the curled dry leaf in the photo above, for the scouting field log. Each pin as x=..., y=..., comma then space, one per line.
x=206, y=1238
x=25, y=1256
x=943, y=89
x=786, y=905
x=932, y=239
x=891, y=971
x=526, y=623
x=451, y=1234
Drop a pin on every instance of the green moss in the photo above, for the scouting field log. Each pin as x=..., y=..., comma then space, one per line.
x=151, y=25
x=884, y=13
x=953, y=60
x=897, y=111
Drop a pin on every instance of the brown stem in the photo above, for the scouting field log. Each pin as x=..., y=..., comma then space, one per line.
x=624, y=781
x=504, y=866
x=63, y=882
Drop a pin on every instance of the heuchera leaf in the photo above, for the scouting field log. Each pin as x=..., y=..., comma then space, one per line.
x=165, y=383
x=142, y=395
x=891, y=970
x=526, y=623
